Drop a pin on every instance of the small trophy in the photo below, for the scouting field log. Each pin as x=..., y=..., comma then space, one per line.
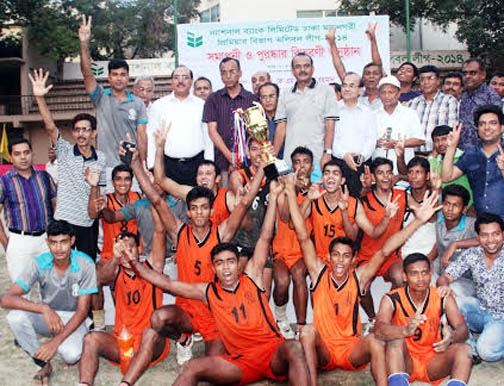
x=257, y=127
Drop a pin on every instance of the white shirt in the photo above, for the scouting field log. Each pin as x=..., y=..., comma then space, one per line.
x=355, y=132
x=404, y=121
x=188, y=133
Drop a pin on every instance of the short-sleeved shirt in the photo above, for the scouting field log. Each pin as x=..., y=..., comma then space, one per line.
x=375, y=105
x=443, y=109
x=305, y=112
x=60, y=293
x=489, y=283
x=469, y=102
x=485, y=178
x=115, y=120
x=437, y=165
x=404, y=121
x=73, y=190
x=444, y=237
x=219, y=107
x=27, y=201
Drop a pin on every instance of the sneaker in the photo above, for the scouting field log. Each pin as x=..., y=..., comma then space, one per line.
x=286, y=329
x=184, y=352
x=369, y=327
x=197, y=337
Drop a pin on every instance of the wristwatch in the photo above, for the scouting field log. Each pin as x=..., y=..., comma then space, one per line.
x=328, y=151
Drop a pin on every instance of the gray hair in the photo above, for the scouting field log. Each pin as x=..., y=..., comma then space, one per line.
x=145, y=77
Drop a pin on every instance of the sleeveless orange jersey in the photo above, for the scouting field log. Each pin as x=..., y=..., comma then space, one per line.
x=428, y=333
x=110, y=231
x=328, y=224
x=375, y=212
x=285, y=244
x=243, y=317
x=194, y=266
x=220, y=208
x=336, y=309
x=135, y=301
x=247, y=174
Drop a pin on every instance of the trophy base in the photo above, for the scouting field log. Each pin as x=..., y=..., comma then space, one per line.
x=275, y=170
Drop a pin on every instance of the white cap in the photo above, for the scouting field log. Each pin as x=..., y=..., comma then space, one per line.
x=391, y=79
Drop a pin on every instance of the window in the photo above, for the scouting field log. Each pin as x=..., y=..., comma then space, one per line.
x=211, y=14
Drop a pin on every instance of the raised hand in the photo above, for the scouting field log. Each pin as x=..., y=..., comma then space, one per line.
x=435, y=180
x=400, y=145
x=366, y=178
x=160, y=134
x=85, y=29
x=454, y=136
x=391, y=208
x=38, y=81
x=428, y=207
x=343, y=197
x=92, y=177
x=415, y=321
x=100, y=203
x=302, y=182
x=371, y=30
x=500, y=159
x=331, y=35
x=314, y=192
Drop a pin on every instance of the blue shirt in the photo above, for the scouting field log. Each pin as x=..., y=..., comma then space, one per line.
x=485, y=178
x=272, y=128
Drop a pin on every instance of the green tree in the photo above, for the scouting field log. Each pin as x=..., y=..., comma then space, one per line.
x=480, y=22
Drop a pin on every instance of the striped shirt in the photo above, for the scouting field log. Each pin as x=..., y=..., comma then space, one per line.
x=73, y=190
x=27, y=201
x=219, y=108
x=443, y=109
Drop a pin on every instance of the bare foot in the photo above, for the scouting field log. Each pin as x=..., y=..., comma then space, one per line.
x=43, y=375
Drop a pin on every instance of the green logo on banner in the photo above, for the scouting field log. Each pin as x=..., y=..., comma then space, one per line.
x=96, y=69
x=194, y=41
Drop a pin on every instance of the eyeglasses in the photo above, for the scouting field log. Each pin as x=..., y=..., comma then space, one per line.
x=181, y=77
x=472, y=73
x=144, y=90
x=268, y=96
x=78, y=129
x=349, y=85
x=426, y=78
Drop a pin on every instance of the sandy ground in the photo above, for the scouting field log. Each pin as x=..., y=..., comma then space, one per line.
x=17, y=369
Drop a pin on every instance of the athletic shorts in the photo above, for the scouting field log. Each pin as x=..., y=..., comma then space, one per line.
x=420, y=373
x=289, y=261
x=201, y=317
x=340, y=350
x=255, y=365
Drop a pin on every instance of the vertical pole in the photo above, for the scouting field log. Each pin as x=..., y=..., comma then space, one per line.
x=408, y=33
x=175, y=36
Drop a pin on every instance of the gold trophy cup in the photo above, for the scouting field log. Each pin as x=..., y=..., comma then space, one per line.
x=257, y=128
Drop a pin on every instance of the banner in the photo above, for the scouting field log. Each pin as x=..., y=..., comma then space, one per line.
x=4, y=145
x=270, y=45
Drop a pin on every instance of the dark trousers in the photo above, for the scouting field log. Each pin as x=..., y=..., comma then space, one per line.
x=86, y=239
x=183, y=170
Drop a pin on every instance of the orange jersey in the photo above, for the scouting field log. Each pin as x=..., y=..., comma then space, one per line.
x=220, y=207
x=375, y=212
x=428, y=333
x=336, y=309
x=328, y=223
x=243, y=317
x=110, y=231
x=135, y=301
x=247, y=175
x=286, y=244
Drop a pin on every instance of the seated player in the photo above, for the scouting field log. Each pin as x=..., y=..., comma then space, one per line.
x=334, y=339
x=424, y=331
x=135, y=300
x=194, y=244
x=255, y=347
x=66, y=278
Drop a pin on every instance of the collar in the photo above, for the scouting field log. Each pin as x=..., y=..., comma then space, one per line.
x=224, y=92
x=312, y=85
x=14, y=172
x=46, y=261
x=92, y=157
x=129, y=95
x=460, y=226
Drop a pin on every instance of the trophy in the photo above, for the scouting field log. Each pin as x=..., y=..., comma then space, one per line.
x=257, y=127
